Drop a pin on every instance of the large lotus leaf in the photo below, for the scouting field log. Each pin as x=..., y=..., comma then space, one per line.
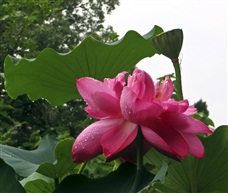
x=26, y=162
x=209, y=174
x=36, y=176
x=159, y=177
x=52, y=75
x=8, y=181
x=38, y=183
x=39, y=186
x=64, y=162
x=120, y=180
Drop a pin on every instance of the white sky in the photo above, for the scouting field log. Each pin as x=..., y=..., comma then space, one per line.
x=204, y=51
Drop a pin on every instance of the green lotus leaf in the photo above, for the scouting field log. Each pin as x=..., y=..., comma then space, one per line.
x=209, y=174
x=39, y=186
x=120, y=180
x=26, y=162
x=52, y=75
x=38, y=183
x=8, y=181
x=64, y=162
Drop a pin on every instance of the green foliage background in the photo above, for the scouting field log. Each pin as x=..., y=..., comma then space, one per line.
x=26, y=28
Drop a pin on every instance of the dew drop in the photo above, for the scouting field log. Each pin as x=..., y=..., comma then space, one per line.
x=82, y=145
x=96, y=132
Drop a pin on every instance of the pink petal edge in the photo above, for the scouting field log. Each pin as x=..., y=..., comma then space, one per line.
x=136, y=110
x=118, y=138
x=87, y=144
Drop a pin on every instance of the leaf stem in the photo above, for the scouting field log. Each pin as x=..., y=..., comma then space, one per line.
x=139, y=161
x=82, y=167
x=139, y=149
x=56, y=182
x=116, y=164
x=178, y=84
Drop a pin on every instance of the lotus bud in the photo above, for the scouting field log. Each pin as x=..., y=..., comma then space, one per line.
x=169, y=43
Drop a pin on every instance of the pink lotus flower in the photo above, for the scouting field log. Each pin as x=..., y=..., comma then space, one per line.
x=120, y=108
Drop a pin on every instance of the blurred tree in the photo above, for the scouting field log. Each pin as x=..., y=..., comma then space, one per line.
x=26, y=28
x=202, y=107
x=203, y=113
